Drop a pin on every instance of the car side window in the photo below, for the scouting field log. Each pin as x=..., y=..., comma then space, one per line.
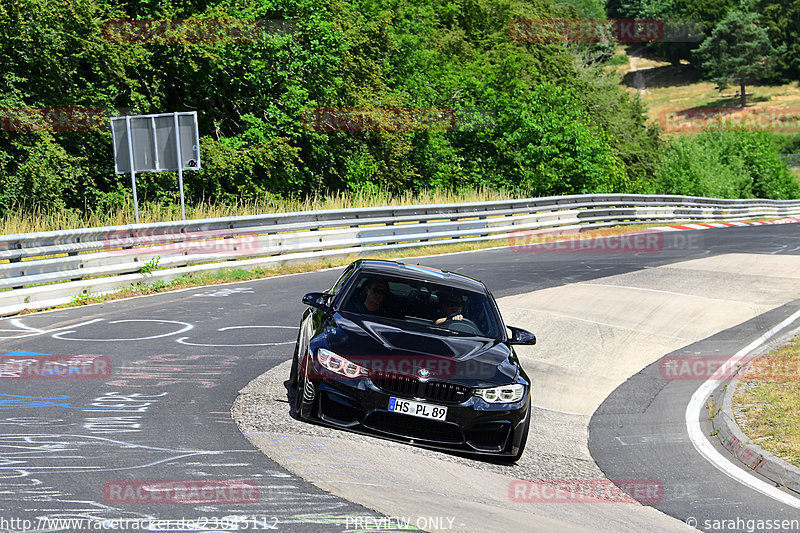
x=337, y=287
x=355, y=296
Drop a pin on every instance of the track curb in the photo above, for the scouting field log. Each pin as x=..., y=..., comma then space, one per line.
x=742, y=447
x=714, y=225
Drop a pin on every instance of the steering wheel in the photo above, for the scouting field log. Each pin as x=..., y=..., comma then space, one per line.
x=465, y=325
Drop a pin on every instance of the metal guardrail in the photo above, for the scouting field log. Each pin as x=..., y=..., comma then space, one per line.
x=39, y=270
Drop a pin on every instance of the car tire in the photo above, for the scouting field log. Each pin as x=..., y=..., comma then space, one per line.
x=305, y=388
x=298, y=398
x=293, y=373
x=293, y=381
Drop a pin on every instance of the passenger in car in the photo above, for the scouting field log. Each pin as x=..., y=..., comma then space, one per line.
x=375, y=292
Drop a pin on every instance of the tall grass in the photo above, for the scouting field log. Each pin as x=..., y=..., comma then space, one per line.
x=767, y=400
x=29, y=220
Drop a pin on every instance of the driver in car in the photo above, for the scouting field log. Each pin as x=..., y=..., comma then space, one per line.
x=451, y=305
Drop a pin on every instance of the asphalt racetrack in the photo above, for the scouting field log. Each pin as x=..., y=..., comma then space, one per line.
x=82, y=448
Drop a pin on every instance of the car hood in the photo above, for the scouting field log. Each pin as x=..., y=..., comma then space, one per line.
x=382, y=345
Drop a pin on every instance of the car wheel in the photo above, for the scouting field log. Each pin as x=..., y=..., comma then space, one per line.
x=298, y=402
x=306, y=392
x=293, y=372
x=298, y=397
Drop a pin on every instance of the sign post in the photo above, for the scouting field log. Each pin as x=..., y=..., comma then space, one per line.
x=156, y=143
x=133, y=172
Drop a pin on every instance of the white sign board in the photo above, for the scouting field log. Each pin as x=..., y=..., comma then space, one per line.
x=156, y=143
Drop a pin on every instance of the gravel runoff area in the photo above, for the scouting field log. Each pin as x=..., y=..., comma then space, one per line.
x=263, y=406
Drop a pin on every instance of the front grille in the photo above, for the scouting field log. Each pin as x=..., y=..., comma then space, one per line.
x=435, y=391
x=442, y=391
x=414, y=428
x=395, y=384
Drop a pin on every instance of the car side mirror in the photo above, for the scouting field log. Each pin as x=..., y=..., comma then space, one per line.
x=318, y=300
x=521, y=336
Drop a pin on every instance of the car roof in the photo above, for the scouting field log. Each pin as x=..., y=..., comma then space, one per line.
x=420, y=273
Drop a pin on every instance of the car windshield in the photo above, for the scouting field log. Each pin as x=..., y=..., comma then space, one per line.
x=420, y=304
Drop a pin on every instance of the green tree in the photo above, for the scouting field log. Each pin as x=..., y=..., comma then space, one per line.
x=782, y=19
x=686, y=22
x=739, y=51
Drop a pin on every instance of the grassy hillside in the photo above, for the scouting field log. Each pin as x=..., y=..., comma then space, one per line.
x=667, y=90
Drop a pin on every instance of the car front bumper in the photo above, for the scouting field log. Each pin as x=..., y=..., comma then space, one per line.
x=473, y=426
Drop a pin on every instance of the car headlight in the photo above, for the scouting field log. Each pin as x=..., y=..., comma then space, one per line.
x=505, y=394
x=339, y=365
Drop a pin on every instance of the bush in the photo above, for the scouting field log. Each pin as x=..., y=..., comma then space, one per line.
x=725, y=164
x=550, y=146
x=38, y=173
x=245, y=168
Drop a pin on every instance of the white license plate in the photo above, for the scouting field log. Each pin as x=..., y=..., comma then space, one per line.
x=422, y=410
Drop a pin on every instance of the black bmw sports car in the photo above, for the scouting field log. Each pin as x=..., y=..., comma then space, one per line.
x=416, y=355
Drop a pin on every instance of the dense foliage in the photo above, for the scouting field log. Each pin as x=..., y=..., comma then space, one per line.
x=699, y=19
x=725, y=164
x=782, y=20
x=530, y=117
